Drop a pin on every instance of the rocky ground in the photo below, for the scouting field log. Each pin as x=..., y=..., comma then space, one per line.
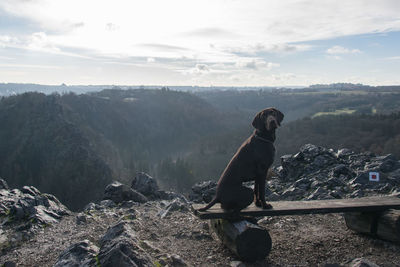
x=145, y=226
x=179, y=238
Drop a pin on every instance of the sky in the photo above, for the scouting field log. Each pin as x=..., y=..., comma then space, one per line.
x=200, y=42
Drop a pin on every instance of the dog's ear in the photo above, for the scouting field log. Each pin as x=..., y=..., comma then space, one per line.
x=259, y=121
x=280, y=116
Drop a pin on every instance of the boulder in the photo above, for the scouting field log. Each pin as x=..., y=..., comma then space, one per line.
x=3, y=184
x=119, y=193
x=119, y=247
x=80, y=254
x=145, y=184
x=203, y=191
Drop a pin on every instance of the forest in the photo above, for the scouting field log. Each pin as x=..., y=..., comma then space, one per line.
x=72, y=145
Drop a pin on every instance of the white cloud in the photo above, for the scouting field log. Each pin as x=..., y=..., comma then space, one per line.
x=337, y=49
x=255, y=64
x=40, y=41
x=111, y=27
x=151, y=59
x=199, y=69
x=267, y=47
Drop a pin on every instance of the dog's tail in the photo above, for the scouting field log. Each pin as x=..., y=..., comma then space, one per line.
x=209, y=205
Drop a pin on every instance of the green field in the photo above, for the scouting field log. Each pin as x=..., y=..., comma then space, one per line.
x=336, y=112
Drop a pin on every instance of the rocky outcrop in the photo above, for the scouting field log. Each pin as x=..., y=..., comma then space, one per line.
x=146, y=185
x=23, y=212
x=319, y=173
x=30, y=205
x=118, y=247
x=119, y=193
x=80, y=254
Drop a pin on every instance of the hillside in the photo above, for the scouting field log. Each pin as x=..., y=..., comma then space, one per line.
x=300, y=103
x=40, y=147
x=71, y=145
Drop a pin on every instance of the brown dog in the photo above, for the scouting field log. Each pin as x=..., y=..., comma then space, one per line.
x=251, y=162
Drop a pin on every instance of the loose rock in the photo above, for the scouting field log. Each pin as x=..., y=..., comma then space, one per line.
x=119, y=193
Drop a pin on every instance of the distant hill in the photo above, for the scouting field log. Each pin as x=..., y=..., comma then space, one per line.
x=300, y=103
x=72, y=145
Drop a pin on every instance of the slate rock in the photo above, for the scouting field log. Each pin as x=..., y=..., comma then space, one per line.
x=81, y=219
x=361, y=178
x=44, y=216
x=9, y=264
x=340, y=169
x=3, y=184
x=145, y=184
x=171, y=260
x=293, y=193
x=119, y=247
x=302, y=183
x=203, y=191
x=168, y=195
x=292, y=167
x=361, y=262
x=80, y=254
x=118, y=193
x=107, y=203
x=273, y=197
x=90, y=207
x=175, y=205
x=319, y=193
x=31, y=190
x=344, y=152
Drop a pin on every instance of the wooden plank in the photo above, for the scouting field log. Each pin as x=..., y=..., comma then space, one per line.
x=366, y=204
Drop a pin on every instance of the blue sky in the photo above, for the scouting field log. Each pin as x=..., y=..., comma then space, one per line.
x=207, y=43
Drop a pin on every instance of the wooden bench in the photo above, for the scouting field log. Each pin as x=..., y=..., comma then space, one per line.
x=240, y=232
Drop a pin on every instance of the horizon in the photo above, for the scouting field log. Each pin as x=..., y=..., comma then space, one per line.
x=227, y=43
x=160, y=86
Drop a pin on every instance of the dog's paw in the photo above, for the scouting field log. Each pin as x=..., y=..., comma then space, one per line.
x=262, y=204
x=267, y=206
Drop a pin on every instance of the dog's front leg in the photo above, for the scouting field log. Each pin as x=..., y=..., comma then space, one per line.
x=259, y=188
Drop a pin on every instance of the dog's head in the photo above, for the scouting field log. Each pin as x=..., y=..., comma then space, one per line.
x=268, y=119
